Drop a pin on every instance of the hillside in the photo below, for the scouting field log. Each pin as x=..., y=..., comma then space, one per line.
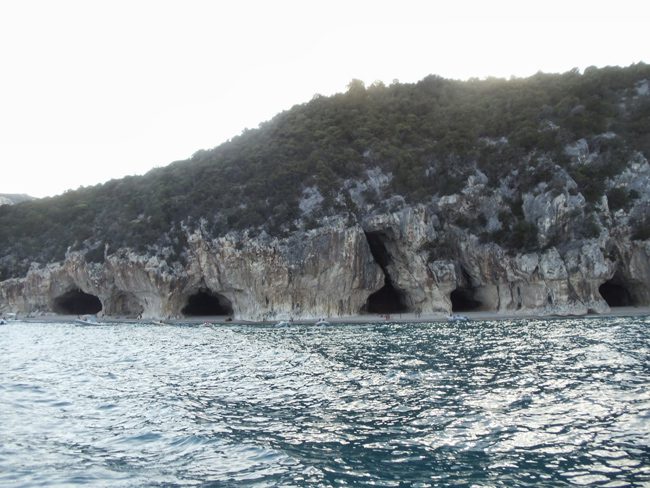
x=13, y=198
x=520, y=165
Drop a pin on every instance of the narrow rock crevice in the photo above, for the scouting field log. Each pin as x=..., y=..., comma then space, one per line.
x=77, y=302
x=388, y=299
x=205, y=303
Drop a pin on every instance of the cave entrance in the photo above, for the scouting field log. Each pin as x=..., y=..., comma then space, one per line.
x=463, y=300
x=76, y=302
x=388, y=299
x=205, y=303
x=615, y=294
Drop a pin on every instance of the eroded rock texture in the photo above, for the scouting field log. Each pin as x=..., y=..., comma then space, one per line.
x=325, y=272
x=332, y=271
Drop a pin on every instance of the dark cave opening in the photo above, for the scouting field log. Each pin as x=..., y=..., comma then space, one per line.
x=205, y=303
x=615, y=294
x=462, y=300
x=388, y=299
x=76, y=302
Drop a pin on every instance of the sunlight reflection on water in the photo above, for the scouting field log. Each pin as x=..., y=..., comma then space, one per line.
x=496, y=403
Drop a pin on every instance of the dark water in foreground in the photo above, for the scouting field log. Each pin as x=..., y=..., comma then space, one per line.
x=512, y=403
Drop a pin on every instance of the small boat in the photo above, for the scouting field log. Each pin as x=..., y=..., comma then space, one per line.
x=322, y=322
x=457, y=318
x=87, y=320
x=282, y=323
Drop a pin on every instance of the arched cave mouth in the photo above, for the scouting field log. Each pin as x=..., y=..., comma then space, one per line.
x=463, y=300
x=386, y=300
x=76, y=302
x=615, y=294
x=206, y=303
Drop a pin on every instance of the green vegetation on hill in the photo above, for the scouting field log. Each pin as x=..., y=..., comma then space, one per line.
x=430, y=135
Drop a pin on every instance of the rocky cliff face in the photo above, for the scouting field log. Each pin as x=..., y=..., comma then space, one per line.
x=485, y=277
x=333, y=270
x=325, y=272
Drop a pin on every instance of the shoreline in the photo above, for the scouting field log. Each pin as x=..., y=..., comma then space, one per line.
x=354, y=319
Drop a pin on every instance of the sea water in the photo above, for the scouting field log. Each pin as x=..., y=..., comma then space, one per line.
x=502, y=403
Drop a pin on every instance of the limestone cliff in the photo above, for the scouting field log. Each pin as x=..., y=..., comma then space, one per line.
x=332, y=271
x=325, y=272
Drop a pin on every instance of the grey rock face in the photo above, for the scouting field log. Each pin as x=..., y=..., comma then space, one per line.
x=431, y=259
x=324, y=272
x=332, y=272
x=551, y=212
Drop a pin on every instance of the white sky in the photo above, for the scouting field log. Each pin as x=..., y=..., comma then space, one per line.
x=92, y=90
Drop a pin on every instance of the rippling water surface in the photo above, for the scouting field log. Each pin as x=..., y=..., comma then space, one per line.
x=510, y=403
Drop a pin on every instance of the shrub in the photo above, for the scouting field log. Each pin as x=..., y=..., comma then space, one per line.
x=445, y=247
x=641, y=229
x=618, y=198
x=95, y=255
x=523, y=236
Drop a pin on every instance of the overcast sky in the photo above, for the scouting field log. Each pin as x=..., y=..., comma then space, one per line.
x=92, y=90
